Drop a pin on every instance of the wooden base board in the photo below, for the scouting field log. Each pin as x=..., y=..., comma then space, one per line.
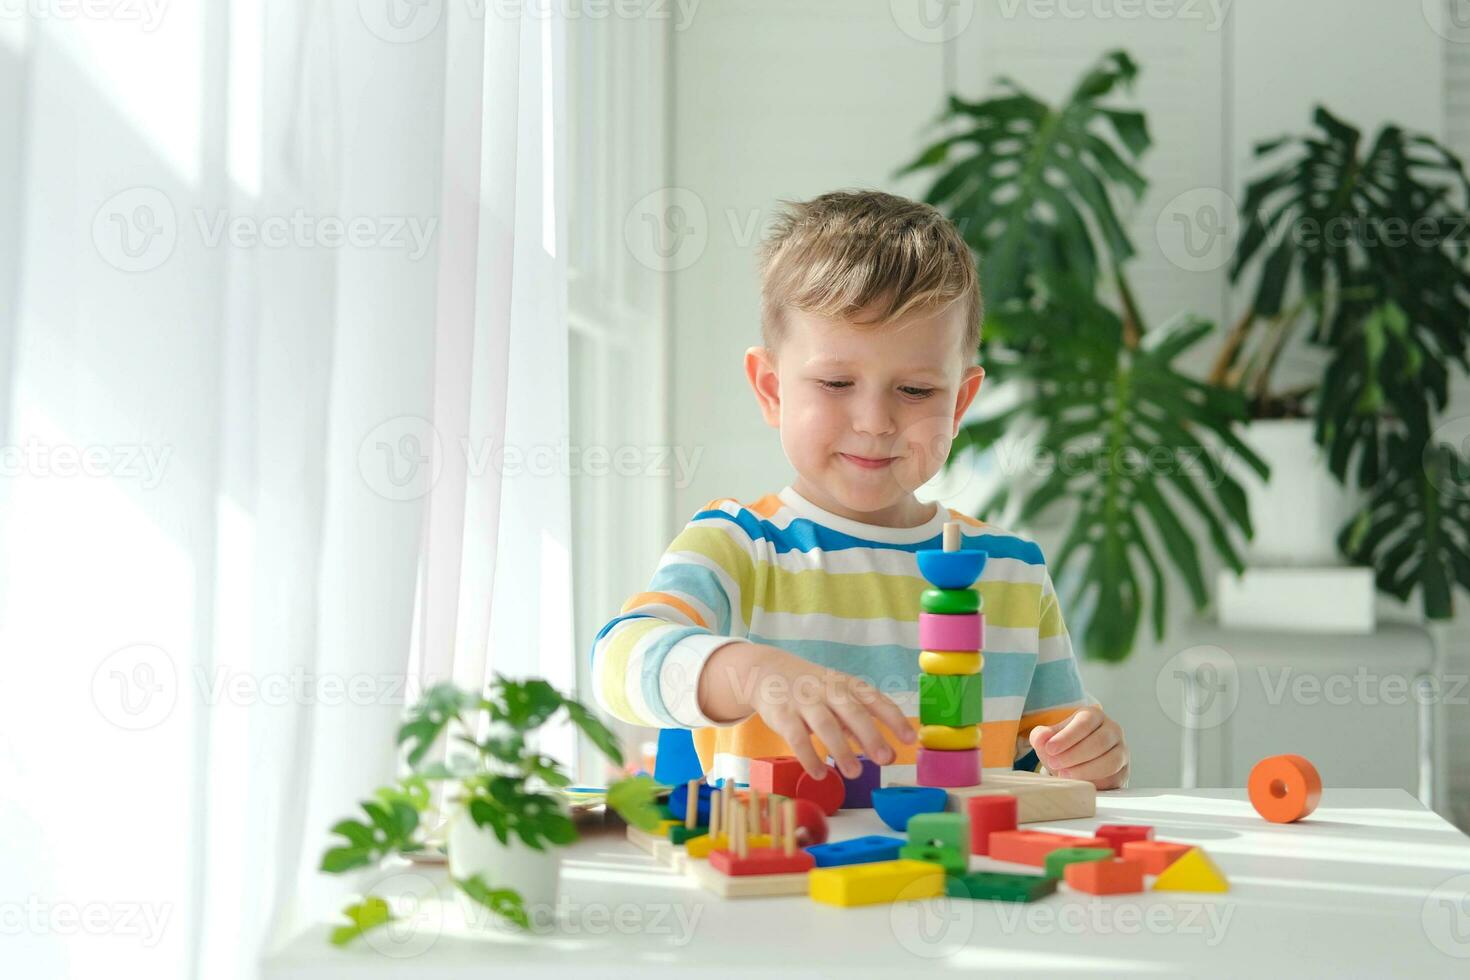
x=747, y=886
x=643, y=839
x=1038, y=797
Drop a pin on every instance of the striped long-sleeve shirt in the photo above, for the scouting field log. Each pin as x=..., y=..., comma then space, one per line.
x=841, y=594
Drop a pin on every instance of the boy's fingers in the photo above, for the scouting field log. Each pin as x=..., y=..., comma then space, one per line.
x=1089, y=748
x=886, y=710
x=819, y=719
x=1105, y=766
x=861, y=724
x=1039, y=735
x=796, y=734
x=1078, y=727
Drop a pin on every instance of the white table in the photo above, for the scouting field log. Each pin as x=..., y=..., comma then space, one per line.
x=1371, y=884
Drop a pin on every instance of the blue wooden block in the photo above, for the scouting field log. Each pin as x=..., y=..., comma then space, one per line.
x=679, y=802
x=895, y=804
x=675, y=760
x=858, y=793
x=857, y=850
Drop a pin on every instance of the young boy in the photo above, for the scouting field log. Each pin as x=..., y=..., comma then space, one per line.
x=789, y=626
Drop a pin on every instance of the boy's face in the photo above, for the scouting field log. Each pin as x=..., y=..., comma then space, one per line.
x=867, y=414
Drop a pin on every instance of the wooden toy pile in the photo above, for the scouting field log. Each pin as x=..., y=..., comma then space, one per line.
x=758, y=843
x=772, y=838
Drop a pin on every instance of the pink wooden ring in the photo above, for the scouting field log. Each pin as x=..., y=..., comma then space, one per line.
x=941, y=631
x=938, y=767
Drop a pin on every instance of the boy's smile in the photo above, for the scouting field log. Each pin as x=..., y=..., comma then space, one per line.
x=867, y=412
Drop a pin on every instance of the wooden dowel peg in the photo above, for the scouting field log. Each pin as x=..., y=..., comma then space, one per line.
x=952, y=537
x=691, y=805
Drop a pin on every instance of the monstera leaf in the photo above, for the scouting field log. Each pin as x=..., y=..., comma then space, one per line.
x=1332, y=211
x=1415, y=529
x=1132, y=444
x=1030, y=185
x=1372, y=241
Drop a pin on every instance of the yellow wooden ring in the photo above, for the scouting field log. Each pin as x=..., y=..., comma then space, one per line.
x=945, y=737
x=950, y=662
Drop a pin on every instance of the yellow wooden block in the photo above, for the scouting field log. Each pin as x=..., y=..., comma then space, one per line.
x=945, y=737
x=881, y=881
x=1194, y=872
x=700, y=847
x=950, y=662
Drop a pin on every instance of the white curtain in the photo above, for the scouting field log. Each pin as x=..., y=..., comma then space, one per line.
x=279, y=281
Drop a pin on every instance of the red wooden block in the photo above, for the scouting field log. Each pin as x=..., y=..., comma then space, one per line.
x=827, y=792
x=989, y=814
x=762, y=861
x=1115, y=877
x=776, y=774
x=1032, y=846
x=1154, y=855
x=1118, y=834
x=811, y=823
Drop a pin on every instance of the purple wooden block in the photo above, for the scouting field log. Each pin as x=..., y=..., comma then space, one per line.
x=858, y=793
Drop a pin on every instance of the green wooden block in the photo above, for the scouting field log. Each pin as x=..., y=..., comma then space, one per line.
x=950, y=602
x=952, y=860
x=940, y=830
x=955, y=700
x=683, y=835
x=664, y=813
x=1063, y=856
x=999, y=886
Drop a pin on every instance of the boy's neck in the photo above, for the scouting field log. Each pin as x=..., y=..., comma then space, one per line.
x=905, y=513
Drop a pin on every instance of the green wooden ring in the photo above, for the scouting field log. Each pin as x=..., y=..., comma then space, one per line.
x=950, y=601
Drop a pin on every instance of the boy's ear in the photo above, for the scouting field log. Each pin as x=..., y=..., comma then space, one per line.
x=969, y=388
x=760, y=371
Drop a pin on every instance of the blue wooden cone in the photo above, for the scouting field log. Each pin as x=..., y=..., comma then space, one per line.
x=676, y=762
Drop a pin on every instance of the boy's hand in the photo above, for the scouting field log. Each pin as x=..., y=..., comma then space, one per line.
x=797, y=699
x=1089, y=746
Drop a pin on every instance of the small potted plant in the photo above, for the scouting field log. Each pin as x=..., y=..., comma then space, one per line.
x=503, y=816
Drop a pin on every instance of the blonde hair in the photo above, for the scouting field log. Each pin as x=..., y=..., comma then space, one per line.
x=838, y=254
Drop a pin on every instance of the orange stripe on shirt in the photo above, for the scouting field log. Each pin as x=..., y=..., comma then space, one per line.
x=665, y=599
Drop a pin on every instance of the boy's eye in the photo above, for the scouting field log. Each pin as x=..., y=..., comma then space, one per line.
x=912, y=391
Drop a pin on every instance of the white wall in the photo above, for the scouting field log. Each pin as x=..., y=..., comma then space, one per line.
x=778, y=100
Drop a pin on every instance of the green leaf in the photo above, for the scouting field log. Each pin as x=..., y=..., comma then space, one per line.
x=428, y=719
x=595, y=730
x=339, y=859
x=504, y=902
x=523, y=705
x=365, y=916
x=632, y=799
x=360, y=834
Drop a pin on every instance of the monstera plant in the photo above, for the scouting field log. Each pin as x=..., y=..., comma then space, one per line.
x=1361, y=247
x=1128, y=442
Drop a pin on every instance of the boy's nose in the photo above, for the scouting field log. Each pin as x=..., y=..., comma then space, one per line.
x=873, y=418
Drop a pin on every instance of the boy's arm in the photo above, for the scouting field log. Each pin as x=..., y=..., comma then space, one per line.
x=646, y=661
x=1071, y=734
x=655, y=664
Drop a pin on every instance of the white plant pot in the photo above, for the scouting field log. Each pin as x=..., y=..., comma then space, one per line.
x=475, y=850
x=1296, y=516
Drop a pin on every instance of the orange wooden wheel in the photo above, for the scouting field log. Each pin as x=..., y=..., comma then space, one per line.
x=1284, y=788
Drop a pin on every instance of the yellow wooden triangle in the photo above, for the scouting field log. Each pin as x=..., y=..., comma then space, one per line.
x=1194, y=872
